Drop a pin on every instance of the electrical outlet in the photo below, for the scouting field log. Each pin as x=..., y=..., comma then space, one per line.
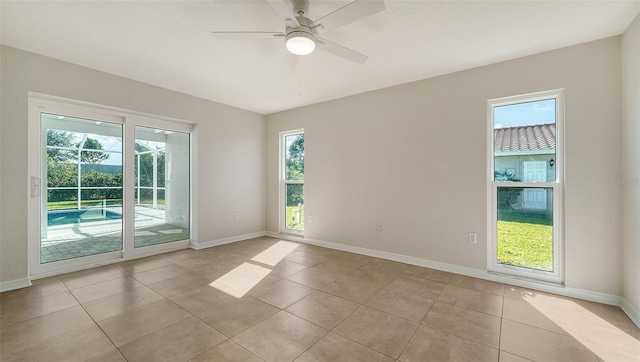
x=379, y=226
x=473, y=238
x=236, y=216
x=310, y=218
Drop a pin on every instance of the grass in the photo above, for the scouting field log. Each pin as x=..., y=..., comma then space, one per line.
x=149, y=201
x=525, y=239
x=292, y=218
x=84, y=204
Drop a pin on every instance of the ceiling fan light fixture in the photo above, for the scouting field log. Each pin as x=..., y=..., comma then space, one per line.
x=300, y=42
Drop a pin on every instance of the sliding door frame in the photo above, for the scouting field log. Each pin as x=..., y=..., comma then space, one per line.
x=40, y=103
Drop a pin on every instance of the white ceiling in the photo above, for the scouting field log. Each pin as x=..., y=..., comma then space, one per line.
x=169, y=43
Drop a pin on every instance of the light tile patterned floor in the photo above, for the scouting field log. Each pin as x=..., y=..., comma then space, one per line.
x=308, y=304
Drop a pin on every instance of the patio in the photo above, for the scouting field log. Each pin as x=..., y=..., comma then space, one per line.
x=77, y=240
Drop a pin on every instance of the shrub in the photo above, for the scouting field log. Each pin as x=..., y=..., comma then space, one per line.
x=507, y=196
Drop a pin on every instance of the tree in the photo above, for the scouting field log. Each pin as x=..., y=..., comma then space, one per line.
x=295, y=159
x=296, y=150
x=295, y=170
x=61, y=174
x=146, y=168
x=507, y=196
x=60, y=139
x=101, y=180
x=62, y=169
x=93, y=157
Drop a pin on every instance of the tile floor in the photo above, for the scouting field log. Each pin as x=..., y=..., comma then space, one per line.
x=303, y=303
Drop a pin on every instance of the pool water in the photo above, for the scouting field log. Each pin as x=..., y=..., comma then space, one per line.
x=66, y=217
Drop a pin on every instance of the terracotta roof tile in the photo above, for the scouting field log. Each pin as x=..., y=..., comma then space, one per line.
x=525, y=138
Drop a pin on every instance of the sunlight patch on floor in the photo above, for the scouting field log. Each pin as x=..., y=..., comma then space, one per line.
x=604, y=339
x=275, y=253
x=240, y=280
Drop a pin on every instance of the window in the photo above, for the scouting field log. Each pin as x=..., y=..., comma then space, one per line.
x=525, y=178
x=292, y=176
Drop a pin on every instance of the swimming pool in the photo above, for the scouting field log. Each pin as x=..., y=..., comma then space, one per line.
x=66, y=217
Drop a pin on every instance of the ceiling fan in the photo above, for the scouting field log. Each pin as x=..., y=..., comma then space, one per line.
x=302, y=34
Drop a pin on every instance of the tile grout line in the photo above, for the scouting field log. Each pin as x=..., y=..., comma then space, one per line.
x=418, y=323
x=46, y=314
x=462, y=337
x=99, y=327
x=332, y=330
x=198, y=318
x=541, y=329
x=473, y=310
x=414, y=332
x=145, y=285
x=314, y=343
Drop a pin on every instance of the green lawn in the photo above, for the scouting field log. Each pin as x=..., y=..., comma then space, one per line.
x=85, y=203
x=526, y=239
x=292, y=218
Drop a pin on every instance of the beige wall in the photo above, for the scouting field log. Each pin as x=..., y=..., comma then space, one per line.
x=414, y=158
x=631, y=161
x=229, y=151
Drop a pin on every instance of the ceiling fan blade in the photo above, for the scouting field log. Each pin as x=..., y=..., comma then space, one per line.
x=284, y=12
x=232, y=35
x=349, y=13
x=290, y=63
x=339, y=50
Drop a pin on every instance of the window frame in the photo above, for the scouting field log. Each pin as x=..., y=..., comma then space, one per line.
x=282, y=161
x=557, y=186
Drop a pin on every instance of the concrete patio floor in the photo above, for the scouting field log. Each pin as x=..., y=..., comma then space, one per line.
x=84, y=239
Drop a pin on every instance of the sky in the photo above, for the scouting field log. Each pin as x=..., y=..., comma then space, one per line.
x=108, y=134
x=113, y=146
x=523, y=114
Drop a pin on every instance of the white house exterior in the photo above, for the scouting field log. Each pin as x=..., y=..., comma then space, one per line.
x=527, y=154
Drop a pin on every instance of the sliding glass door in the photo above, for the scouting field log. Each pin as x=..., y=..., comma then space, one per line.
x=104, y=185
x=82, y=171
x=162, y=186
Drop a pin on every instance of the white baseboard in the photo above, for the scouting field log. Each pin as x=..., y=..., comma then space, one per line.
x=631, y=311
x=14, y=284
x=457, y=269
x=290, y=237
x=232, y=239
